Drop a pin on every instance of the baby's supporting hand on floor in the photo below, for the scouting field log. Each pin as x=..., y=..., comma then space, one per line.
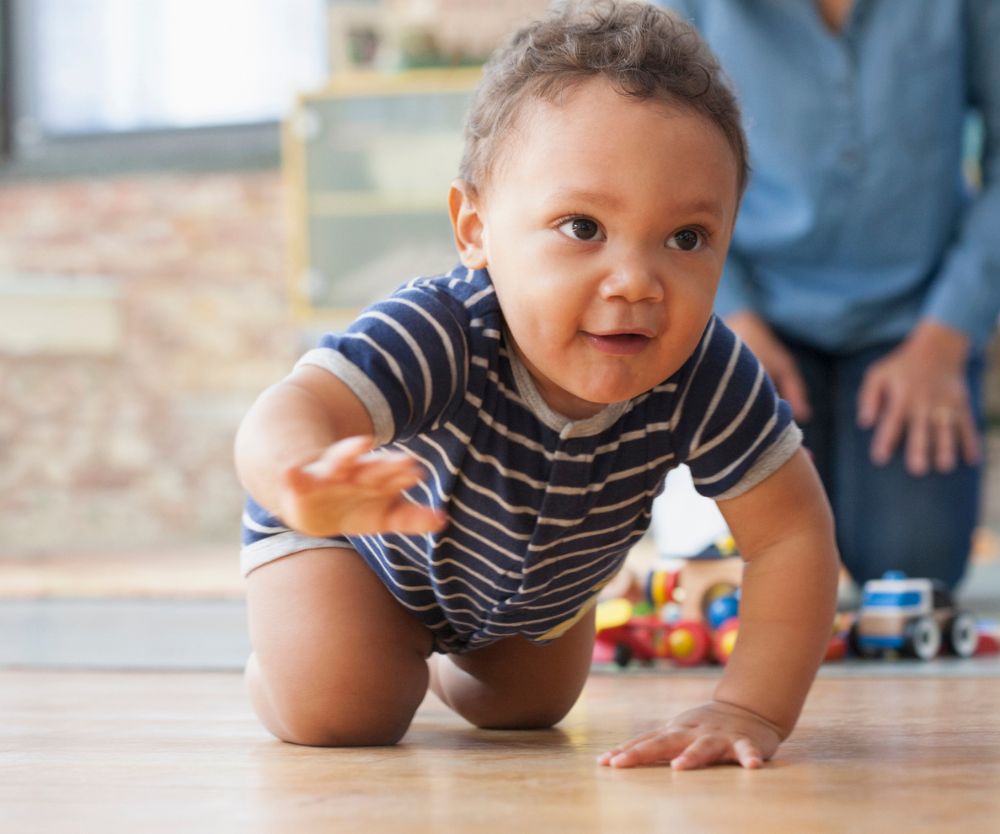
x=713, y=733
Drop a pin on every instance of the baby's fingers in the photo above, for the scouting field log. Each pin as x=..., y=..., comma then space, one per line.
x=683, y=753
x=389, y=473
x=337, y=458
x=300, y=479
x=410, y=518
x=702, y=752
x=351, y=461
x=340, y=455
x=747, y=754
x=605, y=758
x=649, y=749
x=709, y=750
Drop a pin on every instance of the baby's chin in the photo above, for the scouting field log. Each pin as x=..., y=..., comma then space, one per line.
x=620, y=390
x=588, y=402
x=586, y=394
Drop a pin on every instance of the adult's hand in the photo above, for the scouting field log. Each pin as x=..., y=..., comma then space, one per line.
x=776, y=359
x=919, y=390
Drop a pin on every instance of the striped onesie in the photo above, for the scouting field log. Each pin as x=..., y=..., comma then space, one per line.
x=541, y=509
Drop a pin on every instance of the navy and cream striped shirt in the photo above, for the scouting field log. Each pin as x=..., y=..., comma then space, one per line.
x=542, y=510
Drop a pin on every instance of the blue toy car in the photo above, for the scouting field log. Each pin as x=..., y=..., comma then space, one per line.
x=911, y=617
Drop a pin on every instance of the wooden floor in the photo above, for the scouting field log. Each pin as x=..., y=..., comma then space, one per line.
x=181, y=752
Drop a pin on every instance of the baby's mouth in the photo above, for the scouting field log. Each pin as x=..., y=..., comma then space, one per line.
x=618, y=344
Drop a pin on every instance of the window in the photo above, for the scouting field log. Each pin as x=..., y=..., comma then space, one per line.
x=84, y=70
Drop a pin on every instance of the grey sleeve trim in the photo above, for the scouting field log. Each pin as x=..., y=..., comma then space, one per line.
x=362, y=386
x=768, y=463
x=284, y=544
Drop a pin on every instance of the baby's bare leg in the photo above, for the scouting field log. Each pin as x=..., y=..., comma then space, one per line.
x=337, y=662
x=517, y=684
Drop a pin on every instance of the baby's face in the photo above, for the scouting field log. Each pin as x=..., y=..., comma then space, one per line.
x=605, y=229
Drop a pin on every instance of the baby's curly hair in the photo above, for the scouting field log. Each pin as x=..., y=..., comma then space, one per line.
x=644, y=51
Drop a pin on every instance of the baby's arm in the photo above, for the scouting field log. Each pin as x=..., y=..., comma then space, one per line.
x=784, y=530
x=301, y=452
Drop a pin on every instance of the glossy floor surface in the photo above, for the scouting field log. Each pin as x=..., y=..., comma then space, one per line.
x=171, y=751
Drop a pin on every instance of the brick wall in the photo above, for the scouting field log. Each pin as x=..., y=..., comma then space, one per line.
x=139, y=317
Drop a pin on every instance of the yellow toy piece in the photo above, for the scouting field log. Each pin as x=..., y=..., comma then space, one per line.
x=726, y=546
x=612, y=613
x=727, y=642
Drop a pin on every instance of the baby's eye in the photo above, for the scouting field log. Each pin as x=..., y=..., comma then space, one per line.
x=687, y=240
x=581, y=228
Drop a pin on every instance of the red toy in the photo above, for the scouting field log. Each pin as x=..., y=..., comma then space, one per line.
x=624, y=635
x=687, y=614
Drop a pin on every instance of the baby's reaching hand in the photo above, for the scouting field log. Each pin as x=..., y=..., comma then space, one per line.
x=713, y=733
x=349, y=490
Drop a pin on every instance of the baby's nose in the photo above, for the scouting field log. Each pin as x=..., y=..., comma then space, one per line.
x=633, y=280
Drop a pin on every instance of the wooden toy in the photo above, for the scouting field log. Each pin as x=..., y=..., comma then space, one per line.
x=684, y=602
x=913, y=617
x=626, y=633
x=688, y=613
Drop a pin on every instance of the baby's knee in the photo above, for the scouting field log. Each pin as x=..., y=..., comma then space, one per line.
x=332, y=728
x=538, y=713
x=330, y=713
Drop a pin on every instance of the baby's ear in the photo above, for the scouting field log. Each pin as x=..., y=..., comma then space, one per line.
x=467, y=224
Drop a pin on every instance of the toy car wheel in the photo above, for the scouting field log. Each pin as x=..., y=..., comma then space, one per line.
x=856, y=645
x=961, y=635
x=623, y=655
x=922, y=638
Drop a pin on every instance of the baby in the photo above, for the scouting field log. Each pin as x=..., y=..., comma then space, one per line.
x=455, y=477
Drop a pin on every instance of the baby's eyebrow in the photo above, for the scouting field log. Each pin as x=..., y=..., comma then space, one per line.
x=585, y=197
x=702, y=206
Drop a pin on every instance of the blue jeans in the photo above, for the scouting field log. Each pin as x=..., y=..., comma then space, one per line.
x=885, y=517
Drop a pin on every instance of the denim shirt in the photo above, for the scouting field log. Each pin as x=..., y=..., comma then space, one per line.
x=857, y=221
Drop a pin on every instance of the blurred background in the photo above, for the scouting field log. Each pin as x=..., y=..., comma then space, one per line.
x=190, y=192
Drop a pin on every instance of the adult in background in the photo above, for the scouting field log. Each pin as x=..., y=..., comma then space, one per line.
x=864, y=272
